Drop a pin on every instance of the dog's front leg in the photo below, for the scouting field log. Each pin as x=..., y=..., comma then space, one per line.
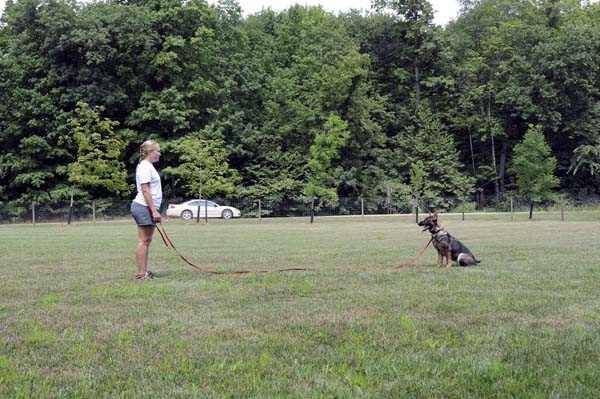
x=440, y=259
x=449, y=258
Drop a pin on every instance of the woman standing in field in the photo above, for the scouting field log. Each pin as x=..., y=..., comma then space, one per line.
x=146, y=204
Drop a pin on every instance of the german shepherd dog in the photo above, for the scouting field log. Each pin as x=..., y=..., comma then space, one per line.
x=447, y=246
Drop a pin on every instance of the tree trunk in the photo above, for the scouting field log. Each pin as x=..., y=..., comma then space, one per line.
x=482, y=179
x=472, y=152
x=502, y=170
x=473, y=160
x=491, y=133
x=530, y=210
x=417, y=88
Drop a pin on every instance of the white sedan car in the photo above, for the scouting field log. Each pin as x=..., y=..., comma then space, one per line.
x=189, y=209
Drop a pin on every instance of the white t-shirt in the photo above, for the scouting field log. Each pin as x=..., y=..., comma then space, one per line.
x=145, y=173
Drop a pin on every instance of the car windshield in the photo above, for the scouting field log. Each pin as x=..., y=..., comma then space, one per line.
x=202, y=203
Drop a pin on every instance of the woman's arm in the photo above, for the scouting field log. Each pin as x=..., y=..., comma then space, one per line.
x=148, y=197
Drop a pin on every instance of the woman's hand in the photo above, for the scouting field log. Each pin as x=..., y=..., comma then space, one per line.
x=156, y=216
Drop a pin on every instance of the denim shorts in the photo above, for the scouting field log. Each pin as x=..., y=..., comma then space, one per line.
x=142, y=214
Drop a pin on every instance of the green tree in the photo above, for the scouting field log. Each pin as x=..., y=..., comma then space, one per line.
x=587, y=157
x=54, y=54
x=104, y=60
x=568, y=93
x=323, y=152
x=98, y=167
x=312, y=68
x=418, y=186
x=429, y=156
x=403, y=44
x=491, y=43
x=414, y=26
x=520, y=62
x=202, y=165
x=180, y=89
x=30, y=119
x=533, y=165
x=263, y=87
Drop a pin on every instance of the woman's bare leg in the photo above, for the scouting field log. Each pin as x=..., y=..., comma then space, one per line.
x=145, y=234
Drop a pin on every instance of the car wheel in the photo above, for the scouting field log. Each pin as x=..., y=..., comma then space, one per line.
x=186, y=215
x=227, y=214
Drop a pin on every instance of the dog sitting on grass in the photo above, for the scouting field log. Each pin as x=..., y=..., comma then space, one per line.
x=446, y=245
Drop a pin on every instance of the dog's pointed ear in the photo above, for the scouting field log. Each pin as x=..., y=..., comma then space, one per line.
x=435, y=215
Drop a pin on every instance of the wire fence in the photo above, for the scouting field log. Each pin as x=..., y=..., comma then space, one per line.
x=564, y=207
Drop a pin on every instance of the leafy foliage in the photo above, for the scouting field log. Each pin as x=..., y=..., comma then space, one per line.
x=256, y=96
x=323, y=152
x=203, y=167
x=98, y=164
x=429, y=155
x=587, y=157
x=534, y=166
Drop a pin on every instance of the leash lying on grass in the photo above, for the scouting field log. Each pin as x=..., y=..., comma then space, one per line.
x=169, y=244
x=413, y=261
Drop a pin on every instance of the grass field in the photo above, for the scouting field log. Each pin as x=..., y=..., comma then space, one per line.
x=525, y=323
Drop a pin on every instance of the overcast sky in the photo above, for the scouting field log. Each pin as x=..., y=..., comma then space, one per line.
x=444, y=9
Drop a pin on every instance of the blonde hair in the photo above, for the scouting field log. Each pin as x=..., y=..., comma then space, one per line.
x=146, y=148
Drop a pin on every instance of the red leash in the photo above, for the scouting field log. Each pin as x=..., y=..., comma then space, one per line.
x=413, y=261
x=169, y=244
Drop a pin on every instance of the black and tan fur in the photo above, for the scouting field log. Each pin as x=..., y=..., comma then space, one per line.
x=446, y=245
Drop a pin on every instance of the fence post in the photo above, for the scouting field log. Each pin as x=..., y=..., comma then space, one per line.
x=199, y=200
x=562, y=208
x=259, y=211
x=362, y=206
x=463, y=209
x=416, y=211
x=93, y=211
x=33, y=212
x=312, y=210
x=70, y=209
x=388, y=199
x=511, y=208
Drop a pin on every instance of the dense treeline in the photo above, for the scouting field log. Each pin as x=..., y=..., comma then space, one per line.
x=298, y=103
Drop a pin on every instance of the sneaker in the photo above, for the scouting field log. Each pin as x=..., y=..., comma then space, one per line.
x=143, y=276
